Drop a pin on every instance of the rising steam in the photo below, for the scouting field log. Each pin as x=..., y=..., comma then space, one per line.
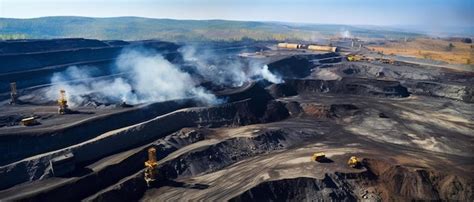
x=346, y=34
x=225, y=71
x=266, y=74
x=146, y=76
x=149, y=77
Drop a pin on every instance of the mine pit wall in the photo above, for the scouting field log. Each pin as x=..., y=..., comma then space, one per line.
x=89, y=184
x=298, y=189
x=57, y=54
x=453, y=86
x=37, y=167
x=299, y=66
x=451, y=91
x=220, y=155
x=34, y=144
x=16, y=62
x=45, y=45
x=42, y=76
x=210, y=159
x=344, y=86
x=204, y=161
x=381, y=181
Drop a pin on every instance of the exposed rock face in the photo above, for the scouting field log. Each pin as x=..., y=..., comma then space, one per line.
x=299, y=189
x=300, y=66
x=238, y=113
x=419, y=80
x=345, y=86
x=41, y=142
x=452, y=91
x=275, y=111
x=281, y=90
x=292, y=67
x=381, y=181
x=223, y=154
x=402, y=183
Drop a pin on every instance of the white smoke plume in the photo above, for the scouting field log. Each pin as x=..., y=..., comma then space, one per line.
x=149, y=77
x=145, y=76
x=346, y=34
x=225, y=71
x=266, y=74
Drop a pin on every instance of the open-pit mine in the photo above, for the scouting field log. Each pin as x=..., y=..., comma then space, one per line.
x=91, y=120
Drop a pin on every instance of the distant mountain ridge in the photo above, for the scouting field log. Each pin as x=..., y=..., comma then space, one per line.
x=138, y=28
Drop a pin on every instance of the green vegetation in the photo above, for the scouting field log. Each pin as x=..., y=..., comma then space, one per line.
x=134, y=28
x=12, y=36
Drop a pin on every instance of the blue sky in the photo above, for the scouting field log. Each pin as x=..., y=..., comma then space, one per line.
x=437, y=13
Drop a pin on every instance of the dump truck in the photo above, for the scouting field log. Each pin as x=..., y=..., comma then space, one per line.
x=318, y=156
x=353, y=162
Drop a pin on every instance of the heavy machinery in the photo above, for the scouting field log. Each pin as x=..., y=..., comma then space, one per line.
x=62, y=102
x=320, y=156
x=353, y=162
x=30, y=121
x=307, y=47
x=362, y=58
x=13, y=94
x=357, y=58
x=150, y=166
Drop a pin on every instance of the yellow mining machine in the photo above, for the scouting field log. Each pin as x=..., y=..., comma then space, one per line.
x=353, y=162
x=357, y=58
x=13, y=94
x=362, y=58
x=320, y=156
x=62, y=102
x=150, y=167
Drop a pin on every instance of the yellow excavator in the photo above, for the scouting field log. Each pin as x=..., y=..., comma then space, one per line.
x=62, y=102
x=150, y=167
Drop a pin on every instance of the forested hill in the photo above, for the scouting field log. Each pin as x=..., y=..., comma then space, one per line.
x=136, y=28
